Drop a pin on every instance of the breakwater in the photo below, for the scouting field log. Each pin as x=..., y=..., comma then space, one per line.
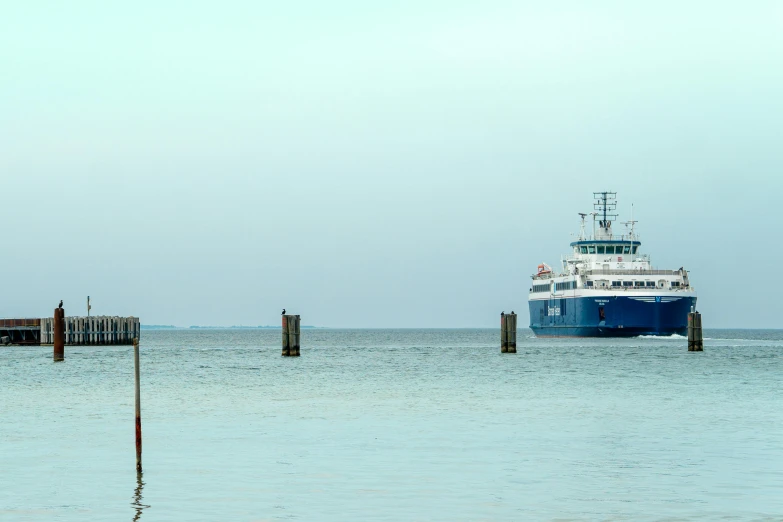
x=94, y=330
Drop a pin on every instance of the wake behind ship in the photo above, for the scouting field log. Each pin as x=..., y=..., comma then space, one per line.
x=607, y=287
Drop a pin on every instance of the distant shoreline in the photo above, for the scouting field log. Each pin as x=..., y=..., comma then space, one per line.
x=172, y=327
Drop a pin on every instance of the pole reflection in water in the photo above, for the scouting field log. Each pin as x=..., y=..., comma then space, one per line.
x=137, y=505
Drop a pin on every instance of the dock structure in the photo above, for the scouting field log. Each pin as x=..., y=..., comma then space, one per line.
x=21, y=331
x=96, y=330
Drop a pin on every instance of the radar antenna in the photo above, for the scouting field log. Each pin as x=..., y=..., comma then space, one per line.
x=582, y=226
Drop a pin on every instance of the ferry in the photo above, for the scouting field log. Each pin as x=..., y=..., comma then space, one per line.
x=607, y=287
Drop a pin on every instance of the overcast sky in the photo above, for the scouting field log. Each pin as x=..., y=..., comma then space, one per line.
x=208, y=163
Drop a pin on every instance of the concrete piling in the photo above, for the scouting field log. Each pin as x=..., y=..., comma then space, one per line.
x=695, y=336
x=138, y=404
x=291, y=335
x=508, y=333
x=59, y=334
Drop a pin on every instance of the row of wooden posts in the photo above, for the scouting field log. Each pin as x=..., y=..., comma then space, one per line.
x=104, y=330
x=95, y=330
x=508, y=333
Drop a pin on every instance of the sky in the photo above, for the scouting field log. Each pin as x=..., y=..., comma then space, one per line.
x=406, y=164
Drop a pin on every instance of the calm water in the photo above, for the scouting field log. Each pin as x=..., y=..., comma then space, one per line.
x=396, y=425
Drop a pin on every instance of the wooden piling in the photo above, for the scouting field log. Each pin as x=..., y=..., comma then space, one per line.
x=511, y=333
x=295, y=346
x=286, y=345
x=695, y=336
x=503, y=334
x=138, y=404
x=508, y=333
x=59, y=334
x=291, y=335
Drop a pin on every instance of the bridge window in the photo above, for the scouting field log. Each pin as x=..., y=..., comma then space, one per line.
x=675, y=284
x=583, y=249
x=650, y=283
x=626, y=249
x=568, y=285
x=635, y=248
x=591, y=249
x=616, y=284
x=627, y=283
x=589, y=284
x=541, y=288
x=639, y=284
x=601, y=249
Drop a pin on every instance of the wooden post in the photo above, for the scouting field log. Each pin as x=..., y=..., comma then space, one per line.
x=295, y=346
x=695, y=336
x=286, y=345
x=503, y=333
x=511, y=332
x=59, y=334
x=291, y=335
x=138, y=404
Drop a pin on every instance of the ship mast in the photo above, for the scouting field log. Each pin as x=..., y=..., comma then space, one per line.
x=605, y=204
x=632, y=225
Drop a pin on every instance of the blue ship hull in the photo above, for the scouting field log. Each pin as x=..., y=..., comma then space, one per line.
x=610, y=316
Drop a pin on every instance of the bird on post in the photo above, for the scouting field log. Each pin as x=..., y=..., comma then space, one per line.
x=61, y=304
x=503, y=313
x=283, y=312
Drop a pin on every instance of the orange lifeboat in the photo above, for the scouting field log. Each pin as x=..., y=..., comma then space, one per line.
x=544, y=269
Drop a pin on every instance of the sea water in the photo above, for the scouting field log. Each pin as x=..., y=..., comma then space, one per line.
x=396, y=425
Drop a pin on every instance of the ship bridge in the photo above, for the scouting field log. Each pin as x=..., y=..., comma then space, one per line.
x=606, y=246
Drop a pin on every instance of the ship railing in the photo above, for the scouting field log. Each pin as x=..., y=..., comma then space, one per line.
x=613, y=237
x=600, y=271
x=631, y=258
x=622, y=289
